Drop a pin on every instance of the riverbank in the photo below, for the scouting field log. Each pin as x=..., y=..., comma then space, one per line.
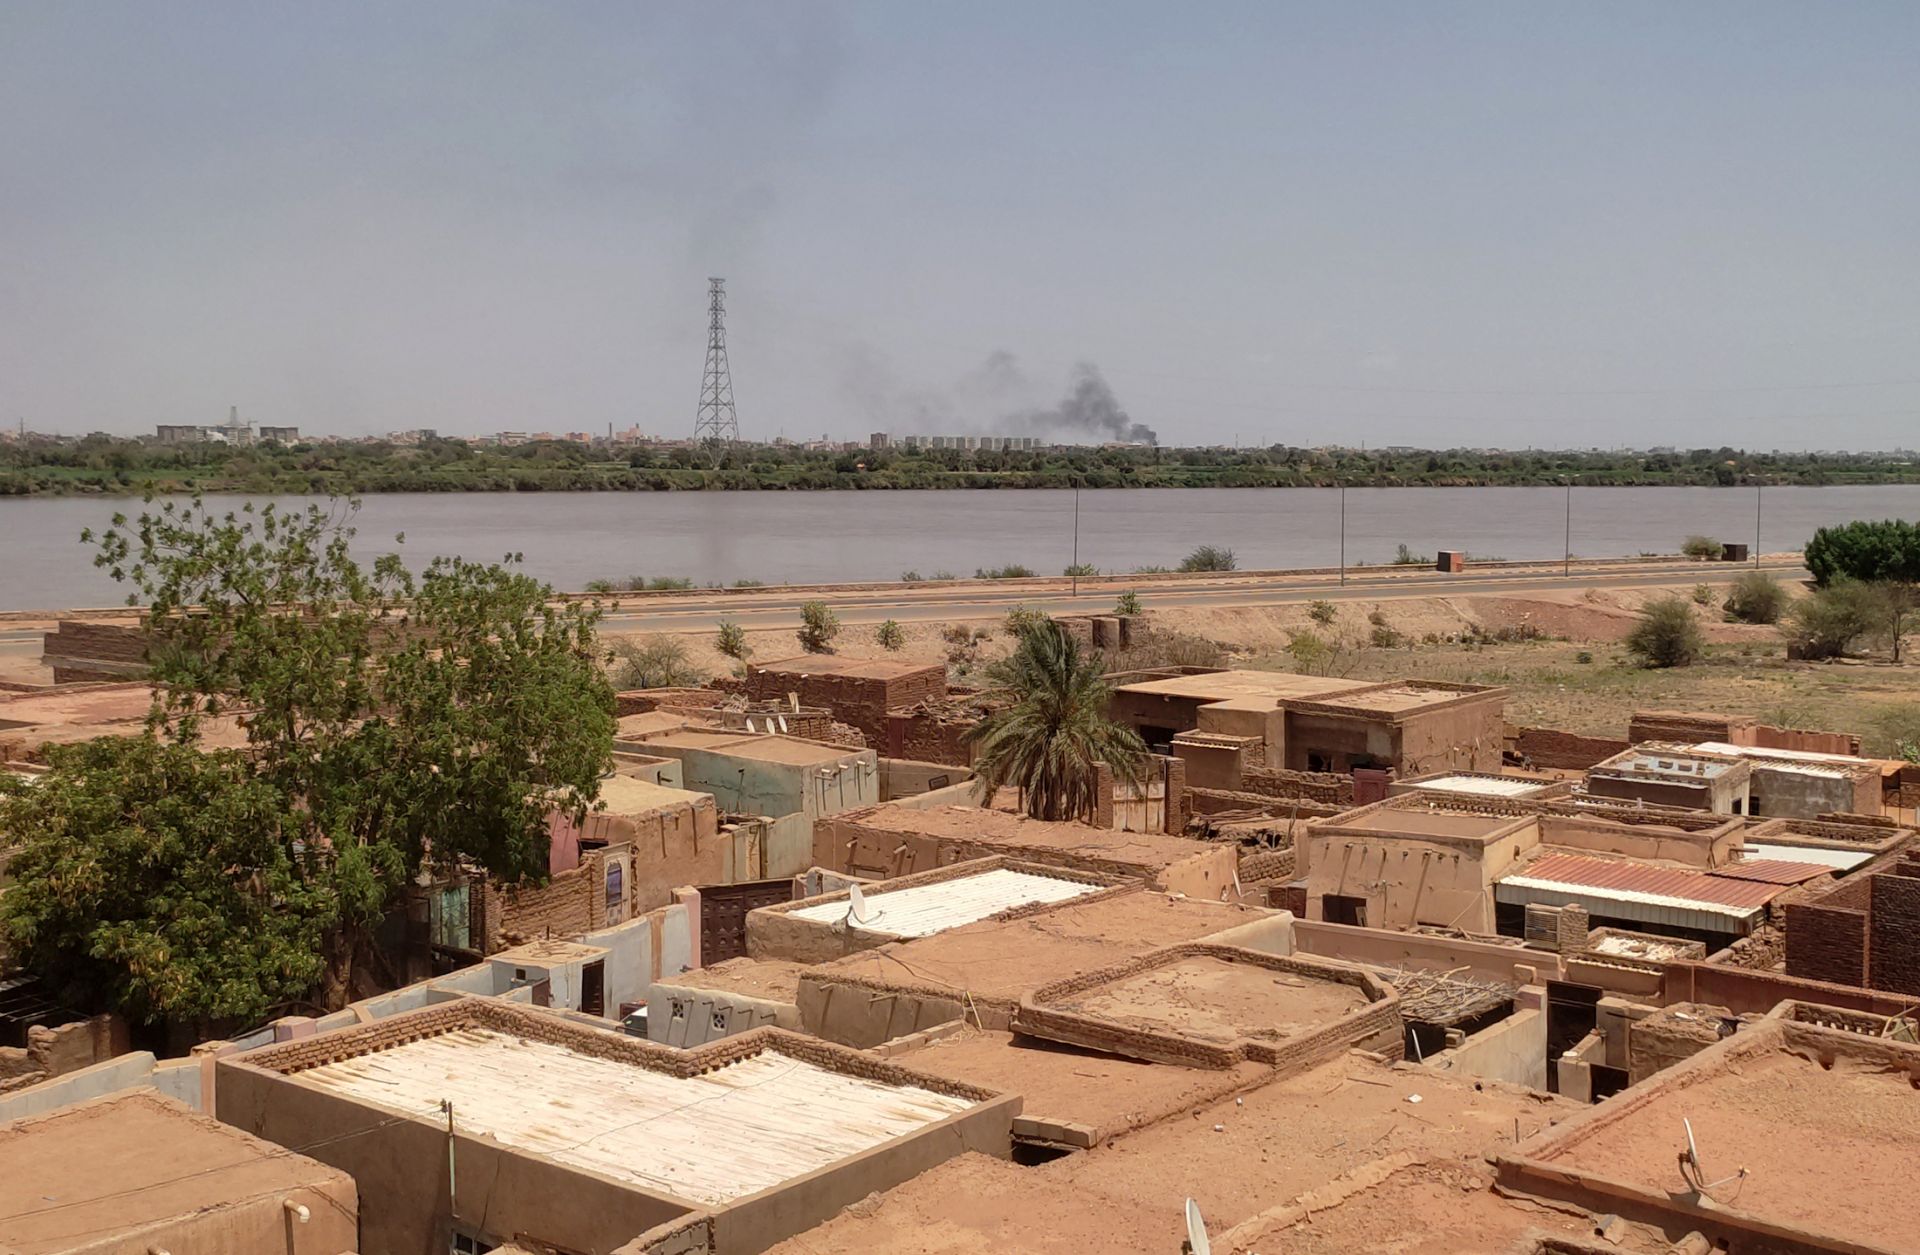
x=106, y=466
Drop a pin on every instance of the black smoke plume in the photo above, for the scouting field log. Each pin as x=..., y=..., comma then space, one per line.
x=1090, y=408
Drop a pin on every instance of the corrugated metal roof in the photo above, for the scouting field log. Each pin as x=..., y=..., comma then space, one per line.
x=712, y=1138
x=1772, y=871
x=1688, y=887
x=1843, y=860
x=922, y=910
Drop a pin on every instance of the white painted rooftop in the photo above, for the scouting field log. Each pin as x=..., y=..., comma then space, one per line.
x=923, y=910
x=1837, y=764
x=1486, y=786
x=1842, y=860
x=707, y=1139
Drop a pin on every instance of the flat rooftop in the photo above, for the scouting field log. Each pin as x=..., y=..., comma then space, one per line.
x=1784, y=758
x=116, y=1166
x=1474, y=784
x=1410, y=821
x=759, y=746
x=1667, y=765
x=856, y=668
x=1005, y=958
x=630, y=795
x=1827, y=1126
x=1398, y=699
x=1072, y=1096
x=922, y=910
x=776, y=980
x=737, y=1129
x=1236, y=1157
x=1013, y=832
x=86, y=704
x=1215, y=1000
x=1226, y=685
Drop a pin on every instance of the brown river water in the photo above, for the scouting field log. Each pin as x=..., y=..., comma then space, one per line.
x=819, y=537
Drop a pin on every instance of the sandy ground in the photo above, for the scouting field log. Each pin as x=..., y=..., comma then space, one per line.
x=1824, y=1150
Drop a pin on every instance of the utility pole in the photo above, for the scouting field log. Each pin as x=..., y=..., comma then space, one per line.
x=1343, y=534
x=716, y=419
x=1076, y=540
x=1566, y=569
x=1758, y=489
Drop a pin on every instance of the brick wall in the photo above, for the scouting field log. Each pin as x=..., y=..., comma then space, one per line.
x=1893, y=934
x=859, y=701
x=1827, y=943
x=569, y=905
x=1765, y=736
x=1550, y=747
x=929, y=733
x=1312, y=786
x=1688, y=727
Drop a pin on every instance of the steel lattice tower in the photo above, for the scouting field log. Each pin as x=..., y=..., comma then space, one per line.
x=716, y=419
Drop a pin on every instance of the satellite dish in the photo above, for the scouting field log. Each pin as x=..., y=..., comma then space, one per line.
x=1197, y=1241
x=857, y=909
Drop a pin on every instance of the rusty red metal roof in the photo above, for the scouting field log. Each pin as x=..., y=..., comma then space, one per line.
x=1621, y=876
x=1772, y=871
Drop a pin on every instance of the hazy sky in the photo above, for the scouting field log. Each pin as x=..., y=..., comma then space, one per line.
x=1422, y=223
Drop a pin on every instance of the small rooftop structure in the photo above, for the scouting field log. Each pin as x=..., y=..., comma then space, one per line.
x=1674, y=775
x=825, y=927
x=1839, y=846
x=1805, y=784
x=898, y=838
x=1212, y=1006
x=137, y=1172
x=1725, y=900
x=767, y=1131
x=1802, y=1138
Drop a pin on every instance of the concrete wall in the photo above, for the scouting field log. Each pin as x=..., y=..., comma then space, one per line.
x=1512, y=1050
x=685, y=1015
x=905, y=777
x=1782, y=794
x=1406, y=881
x=1412, y=950
x=744, y=785
x=179, y=1080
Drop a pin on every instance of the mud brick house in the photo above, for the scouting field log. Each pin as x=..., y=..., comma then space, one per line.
x=1864, y=931
x=859, y=691
x=135, y=1173
x=1231, y=725
x=570, y=1137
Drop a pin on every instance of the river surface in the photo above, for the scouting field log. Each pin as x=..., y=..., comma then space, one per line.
x=819, y=537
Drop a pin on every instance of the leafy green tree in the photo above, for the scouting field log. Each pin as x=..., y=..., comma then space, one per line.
x=1701, y=548
x=1865, y=552
x=890, y=636
x=393, y=724
x=166, y=881
x=818, y=626
x=1667, y=635
x=1053, y=731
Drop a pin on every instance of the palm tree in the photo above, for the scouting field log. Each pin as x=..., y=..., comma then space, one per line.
x=1054, y=733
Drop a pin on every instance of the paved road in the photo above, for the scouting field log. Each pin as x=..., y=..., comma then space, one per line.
x=780, y=608
x=773, y=610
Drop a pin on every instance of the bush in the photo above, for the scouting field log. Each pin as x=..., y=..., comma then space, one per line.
x=1584, y=656
x=1011, y=571
x=1082, y=569
x=956, y=634
x=911, y=577
x=1024, y=619
x=658, y=662
x=1166, y=649
x=1403, y=556
x=1667, y=635
x=890, y=635
x=818, y=626
x=749, y=583
x=1152, y=570
x=1756, y=598
x=1830, y=622
x=1321, y=612
x=1128, y=605
x=1386, y=637
x=945, y=575
x=1208, y=558
x=1701, y=547
x=1703, y=595
x=731, y=640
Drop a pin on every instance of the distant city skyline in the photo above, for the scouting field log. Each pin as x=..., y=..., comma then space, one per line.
x=1478, y=224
